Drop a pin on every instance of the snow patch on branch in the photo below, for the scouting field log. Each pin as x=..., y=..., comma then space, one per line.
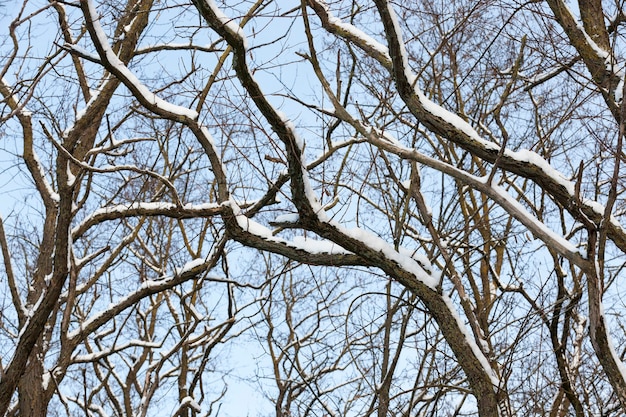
x=287, y=218
x=312, y=246
x=619, y=90
x=290, y=126
x=130, y=77
x=317, y=246
x=94, y=356
x=144, y=208
x=535, y=159
x=609, y=58
x=190, y=266
x=54, y=196
x=402, y=258
x=478, y=353
x=616, y=357
x=228, y=23
x=152, y=206
x=502, y=197
x=354, y=32
x=189, y=402
x=368, y=240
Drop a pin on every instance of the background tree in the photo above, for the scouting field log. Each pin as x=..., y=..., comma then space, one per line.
x=395, y=208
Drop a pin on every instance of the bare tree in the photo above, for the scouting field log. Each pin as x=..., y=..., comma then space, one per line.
x=406, y=208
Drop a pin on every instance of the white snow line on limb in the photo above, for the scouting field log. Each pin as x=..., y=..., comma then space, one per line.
x=228, y=23
x=496, y=193
x=478, y=353
x=128, y=77
x=308, y=245
x=353, y=32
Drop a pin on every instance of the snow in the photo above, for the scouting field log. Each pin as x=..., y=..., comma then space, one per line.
x=93, y=93
x=29, y=314
x=71, y=179
x=123, y=302
x=601, y=53
x=20, y=107
x=421, y=258
x=173, y=45
x=312, y=198
x=96, y=317
x=461, y=125
x=98, y=409
x=190, y=265
x=535, y=159
x=353, y=31
x=251, y=226
x=203, y=206
x=317, y=246
x=309, y=245
x=147, y=207
x=451, y=118
x=496, y=193
x=228, y=23
x=472, y=344
x=154, y=206
x=580, y=332
x=189, y=402
x=94, y=356
x=51, y=193
x=619, y=90
x=129, y=26
x=287, y=218
x=398, y=32
x=209, y=138
x=358, y=33
x=130, y=77
x=525, y=156
x=367, y=239
x=45, y=380
x=290, y=126
x=502, y=197
x=428, y=105
x=406, y=262
x=616, y=357
x=196, y=314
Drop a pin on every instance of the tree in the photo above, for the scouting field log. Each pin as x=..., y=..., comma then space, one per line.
x=408, y=208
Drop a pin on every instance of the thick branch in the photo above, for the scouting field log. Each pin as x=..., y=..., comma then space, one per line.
x=592, y=43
